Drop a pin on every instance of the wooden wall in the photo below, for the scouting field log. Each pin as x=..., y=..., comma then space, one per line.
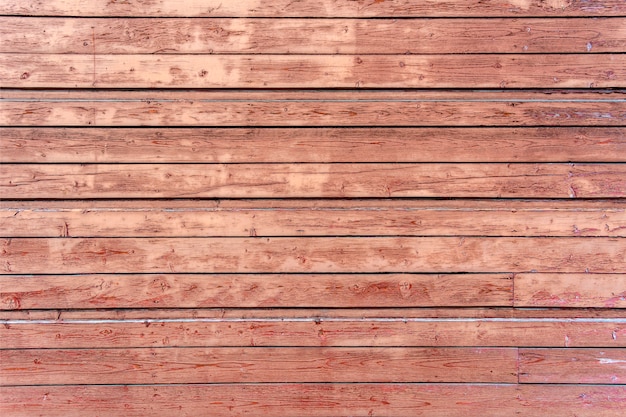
x=313, y=208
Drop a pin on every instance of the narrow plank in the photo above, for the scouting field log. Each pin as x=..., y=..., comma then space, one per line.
x=312, y=332
x=573, y=366
x=106, y=219
x=313, y=255
x=570, y=290
x=33, y=181
x=236, y=365
x=312, y=71
x=316, y=400
x=310, y=36
x=223, y=291
x=227, y=145
x=322, y=8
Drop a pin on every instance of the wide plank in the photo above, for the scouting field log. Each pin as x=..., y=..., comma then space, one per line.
x=570, y=290
x=310, y=36
x=320, y=8
x=98, y=181
x=316, y=400
x=312, y=71
x=324, y=111
x=264, y=219
x=228, y=145
x=321, y=255
x=572, y=366
x=223, y=291
x=313, y=331
x=236, y=365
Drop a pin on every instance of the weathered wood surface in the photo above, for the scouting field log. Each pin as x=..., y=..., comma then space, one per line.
x=321, y=255
x=97, y=181
x=310, y=36
x=297, y=145
x=574, y=366
x=305, y=218
x=318, y=400
x=236, y=365
x=313, y=71
x=87, y=333
x=322, y=8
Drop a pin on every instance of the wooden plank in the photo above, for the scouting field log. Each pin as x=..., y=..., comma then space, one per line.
x=228, y=145
x=107, y=219
x=570, y=290
x=189, y=291
x=313, y=332
x=236, y=365
x=325, y=111
x=312, y=255
x=573, y=366
x=312, y=71
x=310, y=36
x=322, y=8
x=98, y=181
x=316, y=400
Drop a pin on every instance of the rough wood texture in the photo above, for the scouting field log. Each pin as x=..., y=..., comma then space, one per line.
x=310, y=36
x=321, y=255
x=312, y=71
x=574, y=366
x=322, y=8
x=67, y=181
x=171, y=145
x=318, y=400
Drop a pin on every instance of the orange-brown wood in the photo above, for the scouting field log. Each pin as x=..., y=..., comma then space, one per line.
x=570, y=290
x=572, y=366
x=322, y=8
x=310, y=36
x=89, y=145
x=30, y=181
x=321, y=255
x=259, y=365
x=317, y=400
x=292, y=331
x=312, y=71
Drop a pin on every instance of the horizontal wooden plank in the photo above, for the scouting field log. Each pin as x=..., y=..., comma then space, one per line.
x=307, y=71
x=313, y=113
x=310, y=36
x=189, y=291
x=228, y=145
x=573, y=366
x=236, y=365
x=322, y=8
x=567, y=290
x=321, y=255
x=35, y=181
x=316, y=400
x=314, y=332
x=106, y=219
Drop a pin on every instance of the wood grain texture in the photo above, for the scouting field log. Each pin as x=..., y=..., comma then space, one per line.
x=573, y=366
x=314, y=332
x=323, y=8
x=352, y=218
x=310, y=36
x=321, y=255
x=236, y=365
x=32, y=181
x=565, y=290
x=323, y=111
x=222, y=291
x=312, y=71
x=224, y=145
x=316, y=400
